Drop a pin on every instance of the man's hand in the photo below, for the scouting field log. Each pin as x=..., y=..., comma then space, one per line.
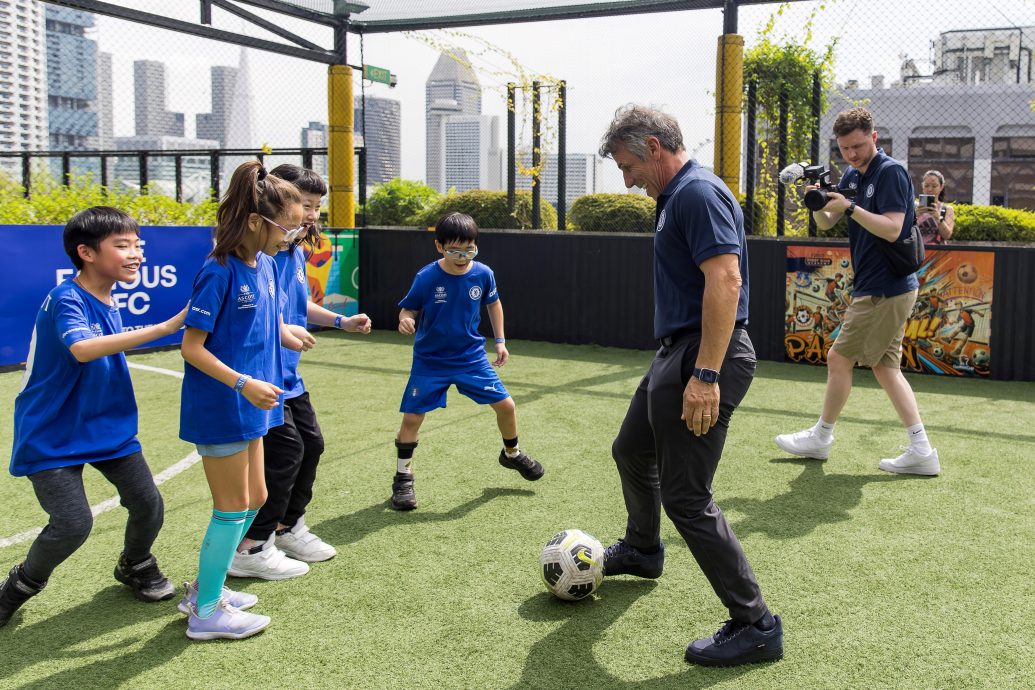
x=837, y=202
x=407, y=326
x=700, y=406
x=502, y=356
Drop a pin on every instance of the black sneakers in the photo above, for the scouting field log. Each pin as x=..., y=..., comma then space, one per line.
x=403, y=496
x=738, y=643
x=529, y=468
x=622, y=559
x=144, y=578
x=15, y=591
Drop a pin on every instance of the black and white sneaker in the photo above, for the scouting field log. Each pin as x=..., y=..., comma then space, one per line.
x=15, y=591
x=403, y=496
x=145, y=579
x=523, y=463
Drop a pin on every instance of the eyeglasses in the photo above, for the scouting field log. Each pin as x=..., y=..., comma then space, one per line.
x=457, y=254
x=289, y=235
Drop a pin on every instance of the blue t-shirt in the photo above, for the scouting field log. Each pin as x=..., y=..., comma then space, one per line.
x=291, y=269
x=884, y=187
x=447, y=337
x=696, y=218
x=70, y=413
x=239, y=307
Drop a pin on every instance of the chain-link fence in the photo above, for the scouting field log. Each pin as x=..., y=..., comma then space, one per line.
x=950, y=88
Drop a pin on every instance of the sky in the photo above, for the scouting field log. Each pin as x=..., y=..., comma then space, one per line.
x=666, y=60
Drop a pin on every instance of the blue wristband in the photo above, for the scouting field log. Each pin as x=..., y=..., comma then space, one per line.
x=239, y=386
x=337, y=322
x=500, y=341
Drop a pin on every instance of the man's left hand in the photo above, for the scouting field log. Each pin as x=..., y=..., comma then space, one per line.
x=700, y=406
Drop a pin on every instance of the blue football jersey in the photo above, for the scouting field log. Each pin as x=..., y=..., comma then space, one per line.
x=291, y=268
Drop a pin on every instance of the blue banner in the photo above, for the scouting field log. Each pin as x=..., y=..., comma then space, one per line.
x=36, y=262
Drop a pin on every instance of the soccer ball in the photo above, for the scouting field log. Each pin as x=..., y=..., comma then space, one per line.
x=572, y=564
x=844, y=263
x=937, y=351
x=967, y=273
x=980, y=358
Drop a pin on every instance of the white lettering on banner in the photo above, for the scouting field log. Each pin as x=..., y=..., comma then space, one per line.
x=62, y=274
x=136, y=302
x=152, y=277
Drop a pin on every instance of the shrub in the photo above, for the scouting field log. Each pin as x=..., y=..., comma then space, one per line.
x=399, y=202
x=489, y=210
x=612, y=213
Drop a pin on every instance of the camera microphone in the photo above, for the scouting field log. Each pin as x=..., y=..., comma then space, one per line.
x=792, y=173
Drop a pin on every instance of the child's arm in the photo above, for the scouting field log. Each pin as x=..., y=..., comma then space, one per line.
x=303, y=341
x=94, y=348
x=496, y=319
x=360, y=323
x=408, y=321
x=259, y=393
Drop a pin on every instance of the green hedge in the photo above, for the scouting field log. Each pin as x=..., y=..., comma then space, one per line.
x=489, y=210
x=399, y=202
x=612, y=213
x=976, y=224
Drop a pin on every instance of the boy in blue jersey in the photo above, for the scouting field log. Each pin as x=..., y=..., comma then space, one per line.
x=76, y=407
x=448, y=294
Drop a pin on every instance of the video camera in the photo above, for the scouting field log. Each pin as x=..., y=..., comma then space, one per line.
x=815, y=199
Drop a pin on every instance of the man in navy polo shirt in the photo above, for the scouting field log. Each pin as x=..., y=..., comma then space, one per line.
x=671, y=440
x=880, y=210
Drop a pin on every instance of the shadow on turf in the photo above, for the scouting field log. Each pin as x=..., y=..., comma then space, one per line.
x=815, y=498
x=69, y=635
x=564, y=658
x=351, y=528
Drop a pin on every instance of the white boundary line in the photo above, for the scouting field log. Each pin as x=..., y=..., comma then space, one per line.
x=113, y=502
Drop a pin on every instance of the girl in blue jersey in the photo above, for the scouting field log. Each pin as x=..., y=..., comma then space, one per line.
x=76, y=407
x=447, y=295
x=232, y=383
x=279, y=544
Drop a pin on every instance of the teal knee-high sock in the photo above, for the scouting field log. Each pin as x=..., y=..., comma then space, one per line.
x=221, y=539
x=249, y=518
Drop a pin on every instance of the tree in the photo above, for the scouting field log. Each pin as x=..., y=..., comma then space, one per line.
x=399, y=202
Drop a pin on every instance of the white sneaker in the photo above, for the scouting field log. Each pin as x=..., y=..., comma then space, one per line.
x=227, y=623
x=268, y=564
x=239, y=600
x=912, y=462
x=806, y=444
x=301, y=544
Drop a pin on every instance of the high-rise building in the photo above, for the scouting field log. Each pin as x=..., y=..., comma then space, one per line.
x=152, y=118
x=71, y=79
x=314, y=136
x=452, y=89
x=471, y=155
x=581, y=177
x=380, y=137
x=23, y=76
x=105, y=103
x=216, y=124
x=195, y=171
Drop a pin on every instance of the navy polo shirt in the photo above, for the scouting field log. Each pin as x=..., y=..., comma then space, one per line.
x=696, y=218
x=885, y=186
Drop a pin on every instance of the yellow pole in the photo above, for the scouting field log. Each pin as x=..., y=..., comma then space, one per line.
x=340, y=148
x=729, y=88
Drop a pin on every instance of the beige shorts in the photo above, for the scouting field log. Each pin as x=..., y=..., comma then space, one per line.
x=873, y=328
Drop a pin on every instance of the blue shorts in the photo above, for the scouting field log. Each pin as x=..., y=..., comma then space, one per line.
x=425, y=393
x=221, y=450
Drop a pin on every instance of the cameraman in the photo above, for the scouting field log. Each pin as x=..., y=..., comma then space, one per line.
x=874, y=323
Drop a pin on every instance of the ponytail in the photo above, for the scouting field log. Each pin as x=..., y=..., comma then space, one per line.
x=252, y=190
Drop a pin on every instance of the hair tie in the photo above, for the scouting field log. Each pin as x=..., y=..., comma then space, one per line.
x=261, y=175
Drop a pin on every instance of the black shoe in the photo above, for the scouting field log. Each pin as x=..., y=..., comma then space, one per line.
x=523, y=463
x=403, y=496
x=15, y=591
x=145, y=579
x=622, y=559
x=738, y=643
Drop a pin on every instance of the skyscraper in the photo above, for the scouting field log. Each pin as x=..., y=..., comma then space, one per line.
x=71, y=79
x=23, y=75
x=581, y=177
x=215, y=125
x=471, y=161
x=451, y=89
x=315, y=136
x=382, y=136
x=152, y=119
x=105, y=106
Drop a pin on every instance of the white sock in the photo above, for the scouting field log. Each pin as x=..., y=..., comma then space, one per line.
x=824, y=430
x=512, y=452
x=918, y=439
x=404, y=465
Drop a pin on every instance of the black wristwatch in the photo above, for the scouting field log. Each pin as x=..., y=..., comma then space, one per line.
x=706, y=375
x=850, y=210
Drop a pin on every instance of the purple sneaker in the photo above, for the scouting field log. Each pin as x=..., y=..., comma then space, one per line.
x=226, y=623
x=239, y=600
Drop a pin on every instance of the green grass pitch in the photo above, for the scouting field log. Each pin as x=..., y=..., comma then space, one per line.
x=882, y=580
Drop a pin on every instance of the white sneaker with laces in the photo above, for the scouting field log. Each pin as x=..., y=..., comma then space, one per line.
x=268, y=564
x=911, y=462
x=226, y=623
x=301, y=544
x=806, y=444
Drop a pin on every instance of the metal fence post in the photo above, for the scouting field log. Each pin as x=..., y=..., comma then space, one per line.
x=817, y=96
x=781, y=163
x=537, y=158
x=750, y=162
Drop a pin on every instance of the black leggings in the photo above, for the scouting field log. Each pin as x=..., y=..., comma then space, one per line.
x=61, y=494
